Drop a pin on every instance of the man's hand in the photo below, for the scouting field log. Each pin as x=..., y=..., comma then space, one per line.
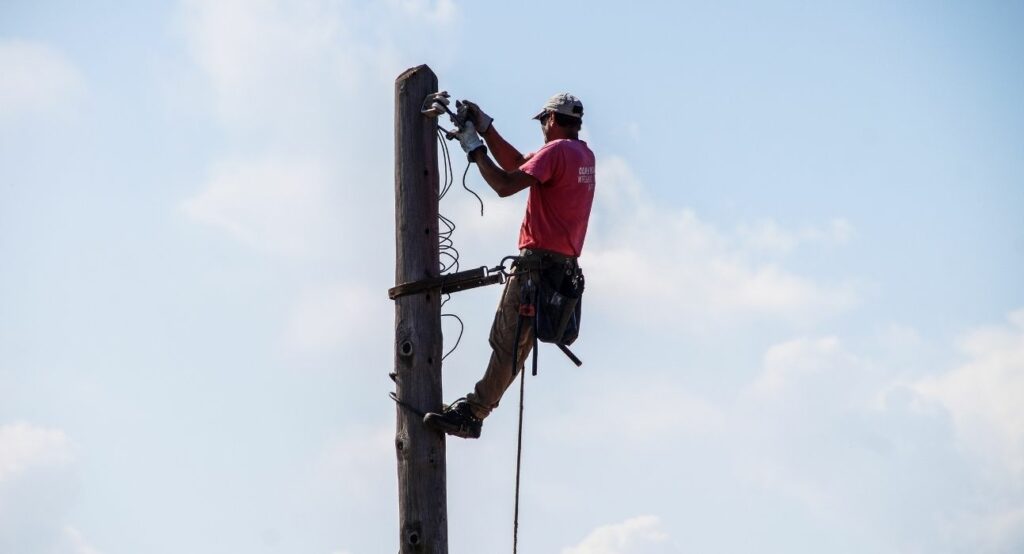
x=469, y=139
x=471, y=112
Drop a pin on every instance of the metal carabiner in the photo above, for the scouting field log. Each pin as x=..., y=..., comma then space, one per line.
x=500, y=268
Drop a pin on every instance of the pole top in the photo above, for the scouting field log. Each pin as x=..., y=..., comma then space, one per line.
x=413, y=71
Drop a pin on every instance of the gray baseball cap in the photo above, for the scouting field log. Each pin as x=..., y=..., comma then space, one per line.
x=563, y=103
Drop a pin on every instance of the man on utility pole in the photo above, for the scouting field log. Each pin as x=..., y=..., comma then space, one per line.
x=561, y=179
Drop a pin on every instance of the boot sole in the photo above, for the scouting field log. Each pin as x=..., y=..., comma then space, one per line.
x=435, y=421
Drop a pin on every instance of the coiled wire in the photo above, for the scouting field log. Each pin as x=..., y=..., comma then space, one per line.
x=448, y=255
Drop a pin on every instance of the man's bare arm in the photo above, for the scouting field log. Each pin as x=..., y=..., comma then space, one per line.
x=505, y=183
x=504, y=153
x=507, y=156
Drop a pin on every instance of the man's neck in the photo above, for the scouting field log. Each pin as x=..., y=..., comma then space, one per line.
x=562, y=135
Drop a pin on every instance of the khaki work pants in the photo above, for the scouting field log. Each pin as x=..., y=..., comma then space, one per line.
x=500, y=373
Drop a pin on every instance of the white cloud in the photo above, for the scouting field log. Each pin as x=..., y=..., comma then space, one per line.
x=75, y=542
x=649, y=261
x=898, y=337
x=789, y=365
x=439, y=12
x=296, y=87
x=289, y=82
x=794, y=418
x=325, y=318
x=659, y=410
x=767, y=235
x=983, y=396
x=633, y=130
x=275, y=65
x=638, y=535
x=37, y=487
x=37, y=78
x=358, y=465
x=499, y=227
x=24, y=447
x=842, y=435
x=279, y=206
x=304, y=68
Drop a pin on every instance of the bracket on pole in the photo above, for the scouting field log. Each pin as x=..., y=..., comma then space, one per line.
x=451, y=282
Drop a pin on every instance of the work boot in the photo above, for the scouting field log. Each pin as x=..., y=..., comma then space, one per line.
x=456, y=419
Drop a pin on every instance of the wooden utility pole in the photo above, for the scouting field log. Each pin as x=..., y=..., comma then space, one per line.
x=422, y=499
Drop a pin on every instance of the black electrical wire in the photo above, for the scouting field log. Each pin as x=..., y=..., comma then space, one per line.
x=447, y=253
x=446, y=165
x=471, y=190
x=462, y=326
x=446, y=246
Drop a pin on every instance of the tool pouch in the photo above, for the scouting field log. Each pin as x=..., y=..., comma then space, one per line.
x=559, y=303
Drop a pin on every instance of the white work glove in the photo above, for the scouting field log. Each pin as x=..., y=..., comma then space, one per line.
x=469, y=139
x=471, y=112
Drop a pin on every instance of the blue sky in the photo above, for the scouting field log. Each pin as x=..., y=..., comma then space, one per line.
x=804, y=321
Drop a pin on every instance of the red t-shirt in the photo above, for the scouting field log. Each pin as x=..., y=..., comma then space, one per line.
x=558, y=210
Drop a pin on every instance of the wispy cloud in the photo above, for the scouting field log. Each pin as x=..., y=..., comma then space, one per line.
x=275, y=206
x=24, y=447
x=272, y=65
x=37, y=79
x=37, y=487
x=438, y=12
x=76, y=543
x=843, y=434
x=768, y=236
x=306, y=65
x=651, y=261
x=324, y=318
x=357, y=464
x=794, y=363
x=288, y=82
x=803, y=416
x=984, y=395
x=638, y=535
x=306, y=171
x=828, y=427
x=659, y=410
